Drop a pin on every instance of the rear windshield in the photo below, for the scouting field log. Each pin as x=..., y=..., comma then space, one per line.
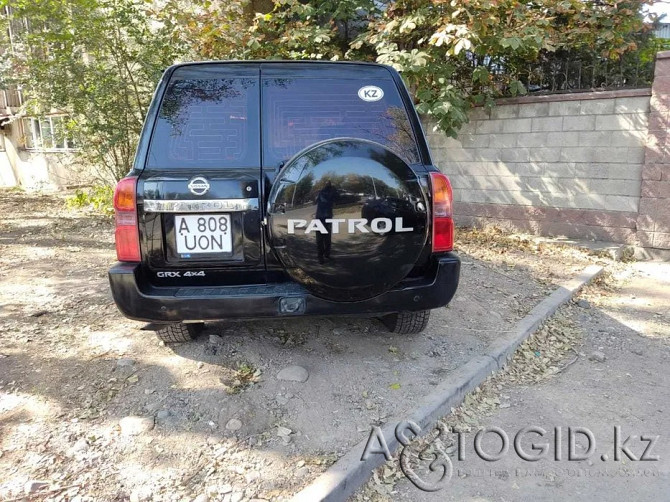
x=210, y=117
x=298, y=112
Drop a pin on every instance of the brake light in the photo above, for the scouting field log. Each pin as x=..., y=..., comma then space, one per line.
x=443, y=224
x=125, y=212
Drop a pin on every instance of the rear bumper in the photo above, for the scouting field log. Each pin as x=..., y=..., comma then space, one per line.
x=154, y=304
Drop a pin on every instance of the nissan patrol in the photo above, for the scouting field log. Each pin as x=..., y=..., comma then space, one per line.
x=275, y=189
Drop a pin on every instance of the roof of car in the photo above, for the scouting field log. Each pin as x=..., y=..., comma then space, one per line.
x=279, y=61
x=307, y=67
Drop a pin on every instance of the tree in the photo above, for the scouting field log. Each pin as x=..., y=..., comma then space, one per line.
x=267, y=29
x=96, y=60
x=453, y=54
x=457, y=54
x=99, y=60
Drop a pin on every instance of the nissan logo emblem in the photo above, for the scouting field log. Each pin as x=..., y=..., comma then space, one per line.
x=198, y=186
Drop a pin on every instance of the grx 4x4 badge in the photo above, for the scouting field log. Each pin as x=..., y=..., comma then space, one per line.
x=179, y=273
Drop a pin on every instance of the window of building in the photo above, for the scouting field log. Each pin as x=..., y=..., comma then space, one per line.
x=47, y=133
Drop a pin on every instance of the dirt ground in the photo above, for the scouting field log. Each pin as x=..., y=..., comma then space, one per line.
x=97, y=409
x=613, y=373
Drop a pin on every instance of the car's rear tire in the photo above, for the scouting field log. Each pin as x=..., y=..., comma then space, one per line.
x=180, y=332
x=407, y=323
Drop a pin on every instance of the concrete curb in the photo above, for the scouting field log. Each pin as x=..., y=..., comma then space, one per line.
x=350, y=471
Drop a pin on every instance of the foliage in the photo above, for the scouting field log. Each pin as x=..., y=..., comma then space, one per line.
x=279, y=29
x=452, y=54
x=244, y=376
x=456, y=54
x=98, y=61
x=100, y=198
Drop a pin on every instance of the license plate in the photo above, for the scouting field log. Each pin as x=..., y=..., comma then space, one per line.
x=203, y=233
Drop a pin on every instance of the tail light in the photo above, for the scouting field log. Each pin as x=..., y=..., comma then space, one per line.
x=443, y=224
x=125, y=211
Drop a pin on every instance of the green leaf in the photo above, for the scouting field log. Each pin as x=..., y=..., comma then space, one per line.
x=480, y=75
x=517, y=88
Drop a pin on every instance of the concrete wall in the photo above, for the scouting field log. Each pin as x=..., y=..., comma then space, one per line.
x=653, y=222
x=567, y=164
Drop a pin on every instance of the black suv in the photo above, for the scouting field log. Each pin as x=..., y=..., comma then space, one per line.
x=270, y=189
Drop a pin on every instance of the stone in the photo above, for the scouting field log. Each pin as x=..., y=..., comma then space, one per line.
x=140, y=494
x=135, y=425
x=33, y=486
x=163, y=415
x=281, y=400
x=148, y=392
x=597, y=356
x=125, y=362
x=301, y=472
x=252, y=476
x=293, y=374
x=283, y=431
x=237, y=496
x=584, y=304
x=225, y=489
x=201, y=498
x=79, y=446
x=233, y=424
x=215, y=339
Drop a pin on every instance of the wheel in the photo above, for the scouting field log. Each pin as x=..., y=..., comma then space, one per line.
x=180, y=332
x=407, y=323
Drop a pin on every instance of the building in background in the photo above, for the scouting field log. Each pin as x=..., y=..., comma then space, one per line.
x=662, y=31
x=35, y=152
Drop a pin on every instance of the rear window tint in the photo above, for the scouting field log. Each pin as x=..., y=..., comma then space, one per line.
x=298, y=112
x=208, y=118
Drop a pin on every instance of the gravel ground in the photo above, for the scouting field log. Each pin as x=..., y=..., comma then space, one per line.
x=606, y=364
x=90, y=401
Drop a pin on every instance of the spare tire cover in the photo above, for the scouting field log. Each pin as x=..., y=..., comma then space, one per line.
x=347, y=219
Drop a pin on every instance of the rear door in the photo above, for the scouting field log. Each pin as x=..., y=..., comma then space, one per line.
x=199, y=191
x=306, y=103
